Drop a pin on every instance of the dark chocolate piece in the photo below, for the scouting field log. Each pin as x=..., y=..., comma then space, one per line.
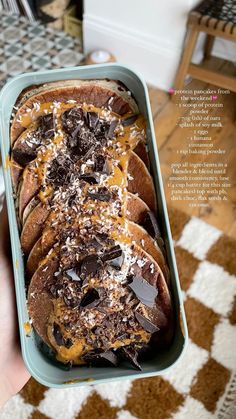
x=71, y=119
x=114, y=256
x=93, y=119
x=128, y=353
x=151, y=226
x=101, y=165
x=24, y=157
x=80, y=146
x=47, y=125
x=144, y=291
x=128, y=121
x=90, y=299
x=146, y=323
x=102, y=358
x=60, y=171
x=112, y=128
x=60, y=340
x=91, y=178
x=73, y=275
x=102, y=195
x=94, y=243
x=90, y=265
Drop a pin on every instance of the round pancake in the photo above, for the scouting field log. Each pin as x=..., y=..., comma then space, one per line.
x=146, y=242
x=40, y=301
x=94, y=92
x=32, y=228
x=142, y=182
x=136, y=208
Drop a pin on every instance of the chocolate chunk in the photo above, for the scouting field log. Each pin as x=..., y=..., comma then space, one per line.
x=112, y=128
x=47, y=125
x=70, y=301
x=72, y=199
x=24, y=157
x=90, y=299
x=144, y=291
x=94, y=243
x=146, y=323
x=128, y=353
x=103, y=238
x=71, y=119
x=151, y=226
x=91, y=178
x=101, y=165
x=90, y=265
x=93, y=119
x=102, y=195
x=60, y=340
x=101, y=358
x=128, y=121
x=73, y=275
x=60, y=171
x=80, y=146
x=114, y=256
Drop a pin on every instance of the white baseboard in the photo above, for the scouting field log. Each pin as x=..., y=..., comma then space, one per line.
x=156, y=59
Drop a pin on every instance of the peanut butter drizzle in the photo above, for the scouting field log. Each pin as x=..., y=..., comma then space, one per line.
x=127, y=140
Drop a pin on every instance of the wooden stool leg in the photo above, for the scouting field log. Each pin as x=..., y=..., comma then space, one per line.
x=208, y=46
x=186, y=57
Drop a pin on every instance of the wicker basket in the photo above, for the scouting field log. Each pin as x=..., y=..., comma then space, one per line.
x=72, y=25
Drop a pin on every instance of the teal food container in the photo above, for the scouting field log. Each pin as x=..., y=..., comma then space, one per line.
x=41, y=368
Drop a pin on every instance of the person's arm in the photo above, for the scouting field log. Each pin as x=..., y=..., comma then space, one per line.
x=13, y=373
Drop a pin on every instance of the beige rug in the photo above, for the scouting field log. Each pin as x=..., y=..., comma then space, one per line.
x=203, y=384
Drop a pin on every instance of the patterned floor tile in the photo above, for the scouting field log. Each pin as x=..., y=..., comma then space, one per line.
x=23, y=44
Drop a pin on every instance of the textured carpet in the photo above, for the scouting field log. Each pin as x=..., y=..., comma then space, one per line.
x=203, y=384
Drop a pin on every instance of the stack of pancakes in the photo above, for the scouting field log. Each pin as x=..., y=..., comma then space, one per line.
x=96, y=273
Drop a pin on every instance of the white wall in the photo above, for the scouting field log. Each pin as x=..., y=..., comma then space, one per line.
x=145, y=34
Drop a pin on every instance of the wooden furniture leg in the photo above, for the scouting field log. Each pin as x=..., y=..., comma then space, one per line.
x=209, y=42
x=187, y=55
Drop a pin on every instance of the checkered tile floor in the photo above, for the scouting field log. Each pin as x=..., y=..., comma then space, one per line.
x=203, y=384
x=28, y=46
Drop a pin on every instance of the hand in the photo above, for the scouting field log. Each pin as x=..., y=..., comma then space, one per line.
x=13, y=372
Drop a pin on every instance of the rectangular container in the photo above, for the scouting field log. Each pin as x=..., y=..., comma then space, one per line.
x=41, y=368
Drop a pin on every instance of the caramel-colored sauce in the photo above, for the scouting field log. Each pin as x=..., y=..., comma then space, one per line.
x=127, y=138
x=27, y=328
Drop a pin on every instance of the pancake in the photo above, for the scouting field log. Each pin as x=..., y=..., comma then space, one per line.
x=41, y=303
x=97, y=93
x=141, y=182
x=97, y=280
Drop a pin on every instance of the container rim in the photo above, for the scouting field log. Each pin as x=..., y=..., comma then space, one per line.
x=134, y=74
